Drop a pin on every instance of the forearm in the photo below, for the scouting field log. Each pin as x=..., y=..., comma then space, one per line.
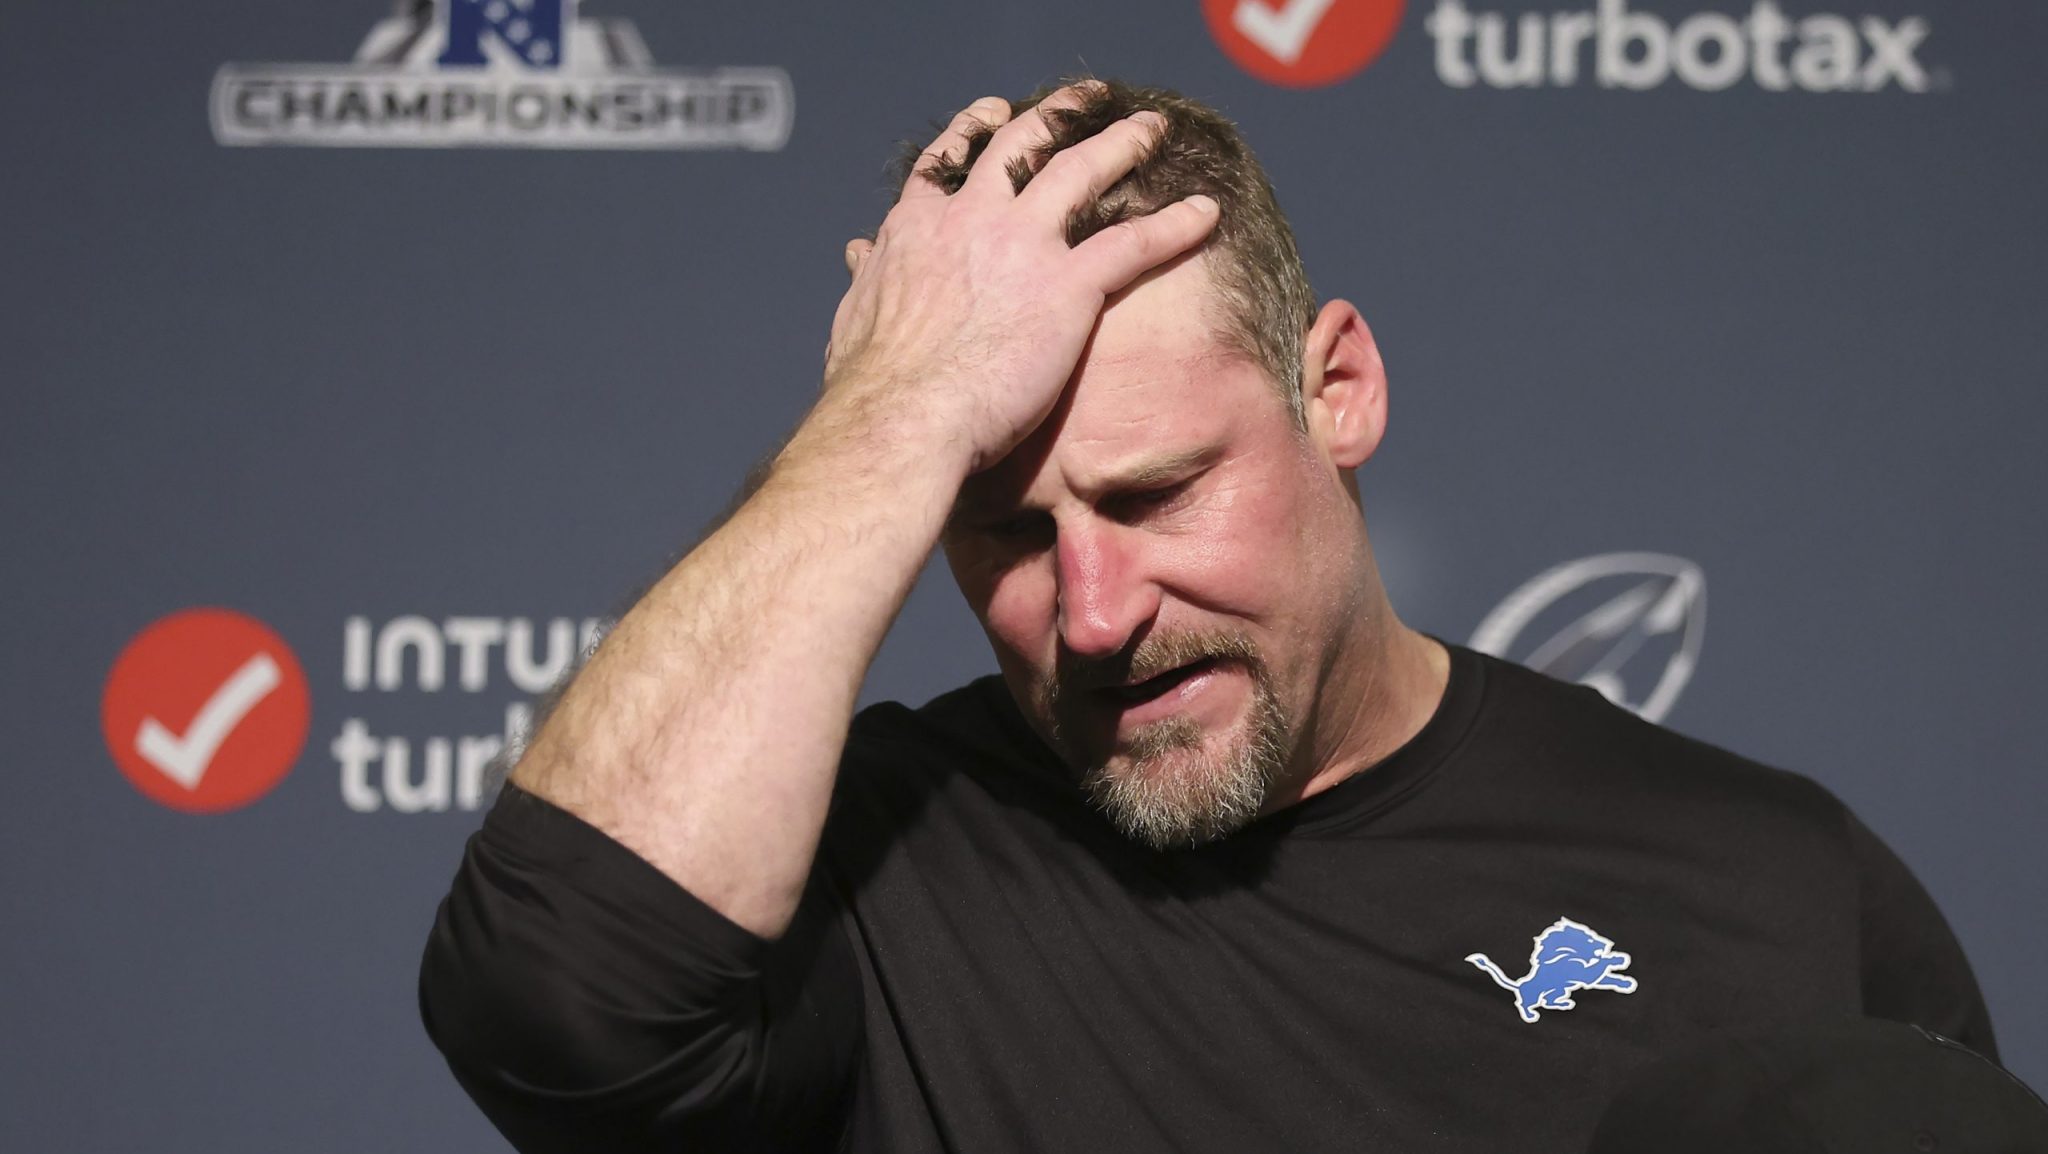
x=705, y=734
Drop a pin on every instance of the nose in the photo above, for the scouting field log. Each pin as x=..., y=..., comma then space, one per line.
x=1104, y=595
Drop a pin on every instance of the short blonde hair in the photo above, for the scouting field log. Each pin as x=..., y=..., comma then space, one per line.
x=1254, y=260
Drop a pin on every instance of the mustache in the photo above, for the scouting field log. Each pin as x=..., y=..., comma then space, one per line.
x=1156, y=654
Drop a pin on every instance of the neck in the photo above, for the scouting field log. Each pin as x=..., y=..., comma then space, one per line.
x=1380, y=686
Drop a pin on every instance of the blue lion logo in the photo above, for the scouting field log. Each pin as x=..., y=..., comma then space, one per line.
x=1568, y=956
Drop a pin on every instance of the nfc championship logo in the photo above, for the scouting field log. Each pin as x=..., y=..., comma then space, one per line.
x=1626, y=624
x=501, y=73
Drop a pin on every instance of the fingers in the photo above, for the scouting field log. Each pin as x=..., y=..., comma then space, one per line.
x=1017, y=140
x=1116, y=256
x=857, y=251
x=1079, y=174
x=988, y=112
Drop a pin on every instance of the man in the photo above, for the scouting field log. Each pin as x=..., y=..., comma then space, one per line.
x=1227, y=859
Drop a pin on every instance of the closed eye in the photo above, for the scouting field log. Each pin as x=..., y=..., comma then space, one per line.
x=1020, y=529
x=1130, y=506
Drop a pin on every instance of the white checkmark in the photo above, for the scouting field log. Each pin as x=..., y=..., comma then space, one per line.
x=1283, y=32
x=184, y=759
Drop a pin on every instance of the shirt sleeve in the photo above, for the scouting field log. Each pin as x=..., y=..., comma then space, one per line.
x=587, y=1002
x=1913, y=967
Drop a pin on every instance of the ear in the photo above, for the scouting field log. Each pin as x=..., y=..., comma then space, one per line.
x=1343, y=386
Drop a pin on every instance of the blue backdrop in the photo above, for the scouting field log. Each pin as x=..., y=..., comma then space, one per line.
x=420, y=365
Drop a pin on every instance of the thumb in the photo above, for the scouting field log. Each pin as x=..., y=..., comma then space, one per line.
x=857, y=250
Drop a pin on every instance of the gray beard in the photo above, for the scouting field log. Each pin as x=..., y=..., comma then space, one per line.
x=1167, y=791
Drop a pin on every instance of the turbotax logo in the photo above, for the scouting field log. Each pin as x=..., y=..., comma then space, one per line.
x=501, y=73
x=1615, y=46
x=207, y=710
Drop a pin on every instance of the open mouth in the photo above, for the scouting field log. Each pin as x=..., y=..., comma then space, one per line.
x=1154, y=688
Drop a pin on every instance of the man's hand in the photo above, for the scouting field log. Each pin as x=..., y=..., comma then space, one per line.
x=968, y=312
x=706, y=732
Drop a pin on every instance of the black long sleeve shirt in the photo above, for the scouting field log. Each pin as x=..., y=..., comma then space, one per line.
x=1463, y=948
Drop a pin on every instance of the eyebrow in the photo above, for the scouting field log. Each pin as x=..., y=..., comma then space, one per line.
x=1145, y=473
x=1156, y=471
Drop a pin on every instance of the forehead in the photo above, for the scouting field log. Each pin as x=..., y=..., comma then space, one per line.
x=1160, y=376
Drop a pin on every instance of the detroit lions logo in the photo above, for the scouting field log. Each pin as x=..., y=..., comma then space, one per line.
x=1568, y=956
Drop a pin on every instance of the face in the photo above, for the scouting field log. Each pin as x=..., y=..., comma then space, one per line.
x=1162, y=569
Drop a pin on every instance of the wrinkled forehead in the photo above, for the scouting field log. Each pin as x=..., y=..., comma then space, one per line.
x=1178, y=305
x=1159, y=381
x=1135, y=421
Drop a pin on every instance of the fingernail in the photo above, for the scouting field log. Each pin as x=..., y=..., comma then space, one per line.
x=991, y=105
x=1204, y=203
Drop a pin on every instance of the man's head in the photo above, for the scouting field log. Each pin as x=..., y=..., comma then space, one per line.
x=1172, y=568
x=1262, y=287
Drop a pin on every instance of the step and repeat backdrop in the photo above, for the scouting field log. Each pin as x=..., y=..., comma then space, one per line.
x=362, y=361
